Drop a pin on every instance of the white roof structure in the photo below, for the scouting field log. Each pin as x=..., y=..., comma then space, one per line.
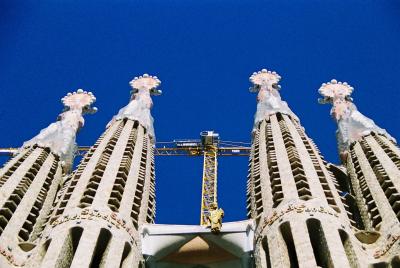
x=184, y=246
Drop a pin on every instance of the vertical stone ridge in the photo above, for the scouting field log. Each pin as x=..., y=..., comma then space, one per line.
x=98, y=172
x=119, y=186
x=299, y=176
x=276, y=183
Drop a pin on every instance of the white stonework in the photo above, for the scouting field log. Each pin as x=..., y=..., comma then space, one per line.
x=269, y=100
x=60, y=136
x=141, y=103
x=352, y=125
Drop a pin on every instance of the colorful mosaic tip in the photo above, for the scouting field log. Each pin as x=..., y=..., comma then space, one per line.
x=264, y=77
x=146, y=82
x=334, y=89
x=78, y=100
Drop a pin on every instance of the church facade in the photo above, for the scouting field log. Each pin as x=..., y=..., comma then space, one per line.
x=302, y=210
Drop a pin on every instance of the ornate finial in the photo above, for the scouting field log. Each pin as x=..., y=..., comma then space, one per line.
x=338, y=94
x=264, y=78
x=79, y=100
x=352, y=125
x=141, y=102
x=60, y=136
x=335, y=89
x=269, y=100
x=146, y=82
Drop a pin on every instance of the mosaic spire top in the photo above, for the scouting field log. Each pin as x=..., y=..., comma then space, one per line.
x=139, y=107
x=269, y=100
x=60, y=136
x=352, y=125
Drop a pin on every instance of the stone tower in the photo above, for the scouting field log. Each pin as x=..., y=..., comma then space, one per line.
x=30, y=180
x=372, y=159
x=99, y=209
x=294, y=198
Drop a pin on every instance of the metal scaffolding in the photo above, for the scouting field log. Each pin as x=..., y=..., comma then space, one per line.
x=209, y=185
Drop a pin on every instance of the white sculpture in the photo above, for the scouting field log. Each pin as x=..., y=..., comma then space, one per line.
x=60, y=135
x=141, y=103
x=269, y=100
x=352, y=125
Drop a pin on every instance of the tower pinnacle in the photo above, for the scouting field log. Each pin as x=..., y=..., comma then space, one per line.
x=352, y=125
x=139, y=107
x=264, y=79
x=269, y=100
x=146, y=82
x=60, y=136
x=79, y=100
x=337, y=93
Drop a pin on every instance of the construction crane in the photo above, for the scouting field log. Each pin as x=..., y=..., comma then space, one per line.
x=210, y=147
x=209, y=142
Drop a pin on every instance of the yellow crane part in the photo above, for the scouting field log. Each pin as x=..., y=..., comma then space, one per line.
x=209, y=187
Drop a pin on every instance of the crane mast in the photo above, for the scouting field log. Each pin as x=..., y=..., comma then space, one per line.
x=209, y=201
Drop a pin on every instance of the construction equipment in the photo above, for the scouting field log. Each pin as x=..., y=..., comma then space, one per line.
x=209, y=142
x=210, y=147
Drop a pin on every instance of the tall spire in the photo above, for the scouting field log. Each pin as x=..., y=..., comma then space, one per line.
x=269, y=100
x=60, y=135
x=352, y=125
x=288, y=176
x=111, y=194
x=141, y=103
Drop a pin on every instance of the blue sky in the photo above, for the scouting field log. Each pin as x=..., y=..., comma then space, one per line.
x=203, y=52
